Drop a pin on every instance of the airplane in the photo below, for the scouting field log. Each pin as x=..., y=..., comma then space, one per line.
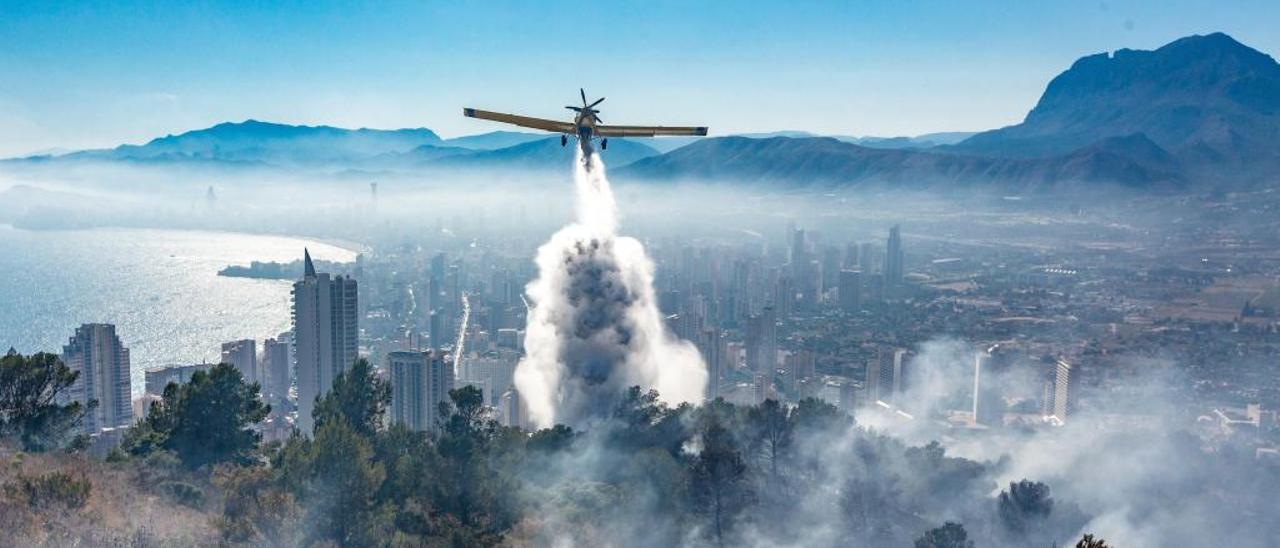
x=586, y=126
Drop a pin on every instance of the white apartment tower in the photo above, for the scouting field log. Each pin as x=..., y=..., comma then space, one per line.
x=103, y=363
x=243, y=354
x=419, y=382
x=325, y=334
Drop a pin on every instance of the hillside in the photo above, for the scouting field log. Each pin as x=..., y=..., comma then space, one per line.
x=1208, y=100
x=254, y=141
x=1200, y=110
x=829, y=162
x=544, y=154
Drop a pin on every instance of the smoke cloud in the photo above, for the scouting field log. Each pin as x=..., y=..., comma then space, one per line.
x=595, y=329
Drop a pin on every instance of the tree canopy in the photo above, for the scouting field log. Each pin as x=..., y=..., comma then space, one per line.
x=33, y=406
x=204, y=421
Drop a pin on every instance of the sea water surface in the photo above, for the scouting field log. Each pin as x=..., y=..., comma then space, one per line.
x=159, y=287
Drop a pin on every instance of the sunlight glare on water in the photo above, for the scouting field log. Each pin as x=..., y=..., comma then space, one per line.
x=160, y=288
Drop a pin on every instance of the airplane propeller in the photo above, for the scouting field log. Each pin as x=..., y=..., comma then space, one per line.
x=588, y=108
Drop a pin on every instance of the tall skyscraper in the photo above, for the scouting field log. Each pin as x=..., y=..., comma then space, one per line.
x=851, y=256
x=988, y=403
x=831, y=265
x=325, y=334
x=1063, y=390
x=435, y=330
x=103, y=363
x=892, y=375
x=276, y=357
x=867, y=257
x=712, y=347
x=509, y=405
x=243, y=354
x=871, y=380
x=784, y=297
x=762, y=342
x=419, y=382
x=893, y=260
x=850, y=290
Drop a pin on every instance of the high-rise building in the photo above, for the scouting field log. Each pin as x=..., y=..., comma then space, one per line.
x=784, y=297
x=419, y=382
x=275, y=377
x=325, y=334
x=762, y=342
x=988, y=403
x=850, y=290
x=243, y=354
x=512, y=414
x=813, y=284
x=851, y=256
x=848, y=397
x=871, y=380
x=712, y=347
x=892, y=375
x=1063, y=390
x=103, y=363
x=867, y=257
x=156, y=379
x=831, y=265
x=799, y=257
x=893, y=259
x=801, y=367
x=901, y=372
x=435, y=330
x=761, y=386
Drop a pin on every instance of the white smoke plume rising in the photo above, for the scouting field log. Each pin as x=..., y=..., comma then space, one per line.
x=594, y=328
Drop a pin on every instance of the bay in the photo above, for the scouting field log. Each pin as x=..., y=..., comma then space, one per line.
x=159, y=287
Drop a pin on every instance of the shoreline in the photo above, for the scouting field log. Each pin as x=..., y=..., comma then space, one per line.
x=346, y=245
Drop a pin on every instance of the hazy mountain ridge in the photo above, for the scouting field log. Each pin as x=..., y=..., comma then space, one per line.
x=1209, y=101
x=546, y=153
x=827, y=162
x=255, y=141
x=1201, y=109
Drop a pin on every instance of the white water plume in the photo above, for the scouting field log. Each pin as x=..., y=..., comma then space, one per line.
x=594, y=328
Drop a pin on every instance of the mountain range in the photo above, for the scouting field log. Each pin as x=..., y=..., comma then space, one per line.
x=1199, y=110
x=1202, y=109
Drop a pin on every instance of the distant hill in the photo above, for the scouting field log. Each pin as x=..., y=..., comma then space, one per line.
x=1203, y=109
x=927, y=140
x=254, y=141
x=545, y=154
x=1209, y=101
x=828, y=162
x=494, y=140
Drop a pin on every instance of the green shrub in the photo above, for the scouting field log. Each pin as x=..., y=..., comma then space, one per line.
x=50, y=490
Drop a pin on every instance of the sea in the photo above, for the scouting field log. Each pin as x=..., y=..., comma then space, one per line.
x=159, y=287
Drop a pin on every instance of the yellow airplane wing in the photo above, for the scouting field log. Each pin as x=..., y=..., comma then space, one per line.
x=523, y=121
x=647, y=131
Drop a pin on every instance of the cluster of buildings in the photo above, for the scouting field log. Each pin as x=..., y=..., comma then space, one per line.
x=1047, y=332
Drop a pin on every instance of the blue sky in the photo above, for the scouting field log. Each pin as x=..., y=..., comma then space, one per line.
x=79, y=75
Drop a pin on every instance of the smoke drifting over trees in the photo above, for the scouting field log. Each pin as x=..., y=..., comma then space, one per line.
x=595, y=328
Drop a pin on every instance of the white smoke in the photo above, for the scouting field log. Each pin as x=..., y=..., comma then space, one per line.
x=594, y=328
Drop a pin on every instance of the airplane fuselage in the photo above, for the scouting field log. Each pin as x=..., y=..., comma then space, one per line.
x=585, y=124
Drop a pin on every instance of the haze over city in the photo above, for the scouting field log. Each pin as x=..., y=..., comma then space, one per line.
x=938, y=274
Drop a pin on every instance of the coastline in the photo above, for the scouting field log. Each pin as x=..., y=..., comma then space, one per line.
x=344, y=244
